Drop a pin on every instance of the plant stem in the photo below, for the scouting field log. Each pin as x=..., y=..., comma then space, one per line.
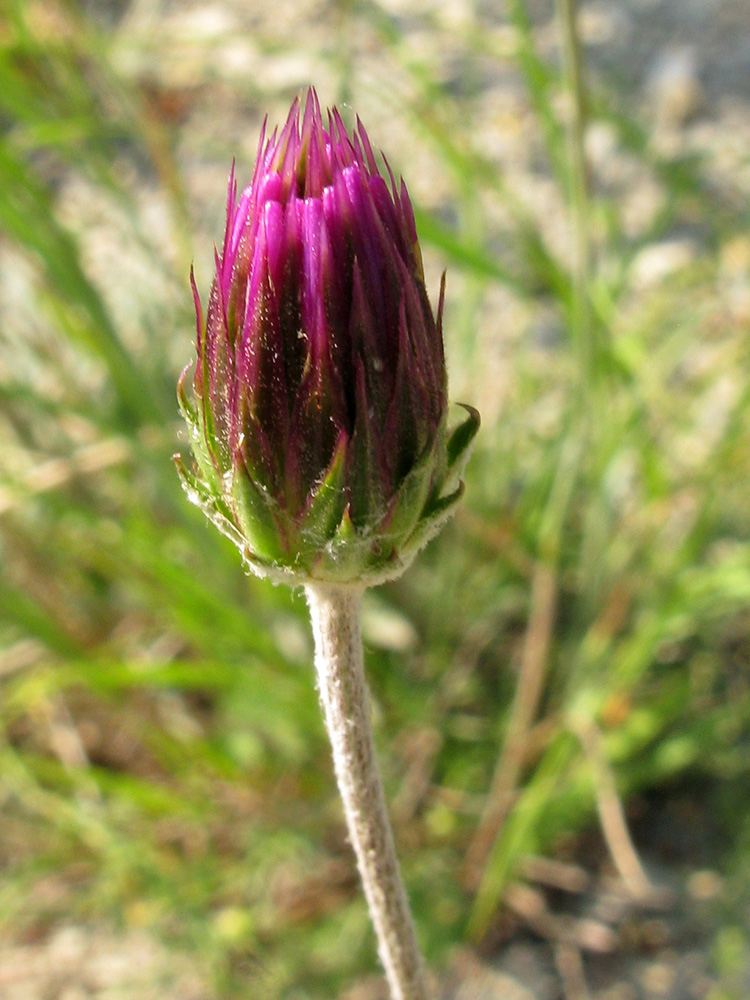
x=574, y=82
x=529, y=689
x=335, y=614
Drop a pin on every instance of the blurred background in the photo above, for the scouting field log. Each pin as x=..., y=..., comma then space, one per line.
x=561, y=683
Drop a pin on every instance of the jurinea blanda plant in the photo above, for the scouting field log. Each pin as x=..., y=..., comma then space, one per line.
x=318, y=422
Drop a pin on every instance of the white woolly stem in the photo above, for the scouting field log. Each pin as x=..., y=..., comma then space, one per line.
x=335, y=614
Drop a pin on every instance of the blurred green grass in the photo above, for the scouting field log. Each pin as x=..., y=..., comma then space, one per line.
x=162, y=757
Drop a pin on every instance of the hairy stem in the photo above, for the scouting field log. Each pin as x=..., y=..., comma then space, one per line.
x=335, y=614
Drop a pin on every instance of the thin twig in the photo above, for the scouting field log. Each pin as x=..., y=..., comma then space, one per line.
x=611, y=813
x=65, y=738
x=424, y=748
x=585, y=934
x=570, y=966
x=21, y=655
x=528, y=692
x=67, y=744
x=556, y=874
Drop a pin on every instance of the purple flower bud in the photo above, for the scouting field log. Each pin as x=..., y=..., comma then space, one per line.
x=318, y=419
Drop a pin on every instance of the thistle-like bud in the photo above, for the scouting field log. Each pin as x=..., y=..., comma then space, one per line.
x=318, y=418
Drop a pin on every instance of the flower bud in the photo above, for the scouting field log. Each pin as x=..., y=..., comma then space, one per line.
x=318, y=411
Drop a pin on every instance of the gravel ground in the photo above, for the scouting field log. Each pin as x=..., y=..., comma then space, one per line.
x=686, y=66
x=598, y=943
x=82, y=963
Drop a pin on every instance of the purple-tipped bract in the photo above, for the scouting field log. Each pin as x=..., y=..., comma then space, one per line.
x=319, y=412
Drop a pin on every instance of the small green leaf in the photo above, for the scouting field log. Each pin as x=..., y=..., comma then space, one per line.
x=259, y=516
x=346, y=555
x=325, y=508
x=186, y=408
x=200, y=495
x=194, y=416
x=439, y=512
x=460, y=440
x=407, y=506
x=365, y=463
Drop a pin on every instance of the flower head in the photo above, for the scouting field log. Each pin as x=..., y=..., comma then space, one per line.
x=319, y=404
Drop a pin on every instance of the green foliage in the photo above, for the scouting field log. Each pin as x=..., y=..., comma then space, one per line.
x=160, y=740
